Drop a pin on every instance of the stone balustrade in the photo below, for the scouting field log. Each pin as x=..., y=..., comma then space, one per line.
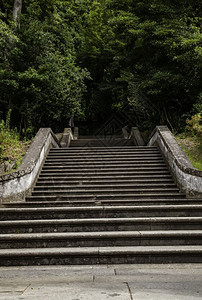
x=188, y=178
x=18, y=184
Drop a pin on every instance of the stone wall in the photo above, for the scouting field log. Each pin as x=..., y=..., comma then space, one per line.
x=188, y=178
x=16, y=185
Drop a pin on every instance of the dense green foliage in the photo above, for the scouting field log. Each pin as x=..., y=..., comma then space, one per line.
x=148, y=55
x=90, y=58
x=40, y=79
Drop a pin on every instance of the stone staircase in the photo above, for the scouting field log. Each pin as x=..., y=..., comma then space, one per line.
x=102, y=201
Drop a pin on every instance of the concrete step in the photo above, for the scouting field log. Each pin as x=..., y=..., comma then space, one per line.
x=95, y=187
x=143, y=166
x=101, y=182
x=106, y=156
x=108, y=197
x=103, y=161
x=100, y=224
x=104, y=172
x=104, y=191
x=101, y=239
x=101, y=255
x=93, y=144
x=125, y=149
x=108, y=192
x=99, y=139
x=106, y=178
x=116, y=147
x=100, y=212
x=106, y=136
x=105, y=152
x=112, y=202
x=101, y=142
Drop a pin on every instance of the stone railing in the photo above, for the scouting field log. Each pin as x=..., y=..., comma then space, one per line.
x=186, y=176
x=134, y=134
x=137, y=137
x=16, y=185
x=67, y=136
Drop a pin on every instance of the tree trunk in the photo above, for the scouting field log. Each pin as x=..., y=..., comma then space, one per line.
x=17, y=7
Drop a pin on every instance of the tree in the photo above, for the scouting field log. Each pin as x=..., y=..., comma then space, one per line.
x=89, y=58
x=47, y=84
x=17, y=8
x=152, y=59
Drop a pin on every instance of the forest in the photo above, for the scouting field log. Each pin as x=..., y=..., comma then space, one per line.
x=90, y=59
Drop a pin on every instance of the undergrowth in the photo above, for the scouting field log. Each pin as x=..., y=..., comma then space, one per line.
x=191, y=140
x=12, y=148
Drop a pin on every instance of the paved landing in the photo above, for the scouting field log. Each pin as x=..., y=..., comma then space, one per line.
x=115, y=282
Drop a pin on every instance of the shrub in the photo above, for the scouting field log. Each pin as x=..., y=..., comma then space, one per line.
x=194, y=126
x=12, y=148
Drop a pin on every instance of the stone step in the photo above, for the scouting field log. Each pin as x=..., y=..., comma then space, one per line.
x=109, y=197
x=109, y=166
x=104, y=156
x=95, y=187
x=100, y=139
x=93, y=156
x=125, y=149
x=101, y=142
x=100, y=224
x=105, y=152
x=101, y=182
x=117, y=147
x=106, y=136
x=100, y=212
x=87, y=144
x=101, y=255
x=106, y=178
x=103, y=161
x=101, y=239
x=112, y=202
x=101, y=172
x=96, y=140
x=104, y=164
x=104, y=191
x=92, y=143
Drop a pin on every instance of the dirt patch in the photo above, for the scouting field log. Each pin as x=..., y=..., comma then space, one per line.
x=187, y=142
